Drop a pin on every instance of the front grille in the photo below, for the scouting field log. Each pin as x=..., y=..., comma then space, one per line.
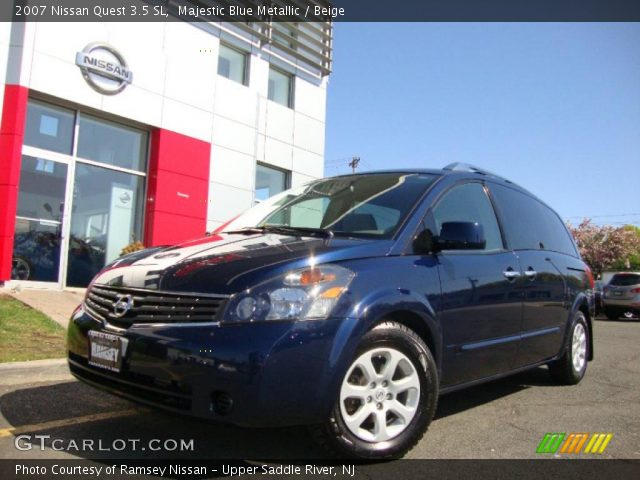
x=148, y=306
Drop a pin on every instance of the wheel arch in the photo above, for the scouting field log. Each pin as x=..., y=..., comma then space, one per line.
x=412, y=311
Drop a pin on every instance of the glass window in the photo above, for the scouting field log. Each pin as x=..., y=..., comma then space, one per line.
x=232, y=64
x=105, y=218
x=625, y=279
x=270, y=181
x=280, y=87
x=37, y=238
x=112, y=143
x=529, y=224
x=42, y=187
x=49, y=127
x=469, y=203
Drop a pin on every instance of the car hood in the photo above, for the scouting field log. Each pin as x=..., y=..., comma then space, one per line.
x=228, y=263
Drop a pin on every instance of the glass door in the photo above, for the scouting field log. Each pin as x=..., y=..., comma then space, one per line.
x=39, y=220
x=81, y=195
x=103, y=219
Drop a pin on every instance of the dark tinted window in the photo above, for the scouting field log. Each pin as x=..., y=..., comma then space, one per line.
x=625, y=279
x=529, y=224
x=469, y=203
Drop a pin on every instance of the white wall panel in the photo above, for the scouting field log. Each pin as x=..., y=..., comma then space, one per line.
x=279, y=154
x=63, y=39
x=232, y=168
x=233, y=135
x=226, y=202
x=310, y=99
x=199, y=124
x=279, y=122
x=236, y=101
x=135, y=103
x=308, y=163
x=190, y=77
x=309, y=134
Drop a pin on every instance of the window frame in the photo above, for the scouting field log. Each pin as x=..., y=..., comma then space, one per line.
x=428, y=220
x=291, y=90
x=287, y=179
x=245, y=64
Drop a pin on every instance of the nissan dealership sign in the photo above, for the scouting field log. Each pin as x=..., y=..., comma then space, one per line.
x=104, y=68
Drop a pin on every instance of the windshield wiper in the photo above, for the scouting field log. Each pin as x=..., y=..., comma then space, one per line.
x=286, y=230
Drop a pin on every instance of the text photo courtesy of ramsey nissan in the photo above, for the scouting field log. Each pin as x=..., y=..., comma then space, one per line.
x=319, y=239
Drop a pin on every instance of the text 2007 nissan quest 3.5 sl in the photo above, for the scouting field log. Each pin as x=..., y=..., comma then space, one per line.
x=348, y=304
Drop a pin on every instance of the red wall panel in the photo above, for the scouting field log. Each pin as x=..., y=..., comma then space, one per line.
x=178, y=188
x=14, y=112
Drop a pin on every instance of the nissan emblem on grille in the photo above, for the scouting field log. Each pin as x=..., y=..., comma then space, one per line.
x=122, y=304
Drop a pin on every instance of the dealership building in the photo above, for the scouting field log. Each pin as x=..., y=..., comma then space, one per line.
x=156, y=132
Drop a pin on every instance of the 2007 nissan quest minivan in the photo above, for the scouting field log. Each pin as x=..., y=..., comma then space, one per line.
x=348, y=304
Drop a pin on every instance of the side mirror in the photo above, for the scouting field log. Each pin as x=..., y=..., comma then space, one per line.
x=461, y=236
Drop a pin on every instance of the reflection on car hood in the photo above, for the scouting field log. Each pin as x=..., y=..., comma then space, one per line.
x=228, y=263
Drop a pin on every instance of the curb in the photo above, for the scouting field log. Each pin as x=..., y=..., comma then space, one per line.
x=51, y=362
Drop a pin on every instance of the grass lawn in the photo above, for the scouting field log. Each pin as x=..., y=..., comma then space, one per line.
x=26, y=334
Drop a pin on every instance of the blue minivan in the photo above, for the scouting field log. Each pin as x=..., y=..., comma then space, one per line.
x=349, y=304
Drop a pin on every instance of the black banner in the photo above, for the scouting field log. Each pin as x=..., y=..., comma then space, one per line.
x=320, y=10
x=320, y=470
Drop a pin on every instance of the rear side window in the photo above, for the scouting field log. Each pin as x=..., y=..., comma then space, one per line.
x=529, y=224
x=469, y=203
x=625, y=279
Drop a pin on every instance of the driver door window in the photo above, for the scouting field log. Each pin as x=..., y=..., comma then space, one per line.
x=468, y=203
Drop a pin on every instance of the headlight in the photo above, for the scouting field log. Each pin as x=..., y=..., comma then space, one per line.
x=305, y=294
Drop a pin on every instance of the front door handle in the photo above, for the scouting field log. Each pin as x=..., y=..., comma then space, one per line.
x=530, y=273
x=511, y=274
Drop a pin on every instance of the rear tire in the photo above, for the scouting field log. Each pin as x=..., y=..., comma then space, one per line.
x=571, y=367
x=387, y=397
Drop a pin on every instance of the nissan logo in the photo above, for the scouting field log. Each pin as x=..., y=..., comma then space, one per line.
x=104, y=68
x=122, y=305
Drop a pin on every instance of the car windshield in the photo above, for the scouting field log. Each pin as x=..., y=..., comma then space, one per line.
x=370, y=205
x=625, y=279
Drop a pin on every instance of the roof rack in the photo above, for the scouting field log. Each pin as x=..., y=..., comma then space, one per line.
x=465, y=167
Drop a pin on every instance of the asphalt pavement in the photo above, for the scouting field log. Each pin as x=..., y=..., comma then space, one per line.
x=50, y=415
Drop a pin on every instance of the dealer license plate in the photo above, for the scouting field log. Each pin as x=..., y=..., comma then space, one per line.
x=106, y=350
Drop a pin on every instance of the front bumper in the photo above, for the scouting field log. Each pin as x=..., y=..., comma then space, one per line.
x=274, y=373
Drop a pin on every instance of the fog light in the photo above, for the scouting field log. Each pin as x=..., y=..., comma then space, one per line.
x=245, y=308
x=222, y=403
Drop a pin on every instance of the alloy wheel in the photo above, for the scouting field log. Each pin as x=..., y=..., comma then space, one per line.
x=379, y=395
x=579, y=347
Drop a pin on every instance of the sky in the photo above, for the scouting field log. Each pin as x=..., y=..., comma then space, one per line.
x=554, y=107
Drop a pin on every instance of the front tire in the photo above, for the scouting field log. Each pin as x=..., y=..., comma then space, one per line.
x=571, y=367
x=387, y=397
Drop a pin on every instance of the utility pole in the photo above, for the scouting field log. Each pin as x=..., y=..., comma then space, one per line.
x=354, y=163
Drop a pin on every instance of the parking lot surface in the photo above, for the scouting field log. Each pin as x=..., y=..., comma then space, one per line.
x=498, y=420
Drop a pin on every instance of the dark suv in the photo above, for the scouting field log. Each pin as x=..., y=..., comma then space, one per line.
x=348, y=304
